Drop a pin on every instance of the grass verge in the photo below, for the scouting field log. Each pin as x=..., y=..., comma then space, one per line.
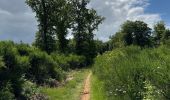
x=71, y=90
x=97, y=90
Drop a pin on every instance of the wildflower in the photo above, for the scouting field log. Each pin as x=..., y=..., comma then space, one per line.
x=124, y=92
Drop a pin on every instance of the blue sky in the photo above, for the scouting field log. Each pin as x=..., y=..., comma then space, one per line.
x=161, y=7
x=17, y=21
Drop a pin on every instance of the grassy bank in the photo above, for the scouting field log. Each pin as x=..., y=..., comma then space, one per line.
x=97, y=90
x=133, y=74
x=71, y=90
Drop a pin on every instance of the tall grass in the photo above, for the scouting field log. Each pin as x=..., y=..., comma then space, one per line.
x=97, y=89
x=134, y=74
x=71, y=90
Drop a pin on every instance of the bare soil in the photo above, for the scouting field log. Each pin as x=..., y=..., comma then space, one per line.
x=86, y=91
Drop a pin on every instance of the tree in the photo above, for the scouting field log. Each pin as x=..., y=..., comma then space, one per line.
x=50, y=43
x=62, y=21
x=136, y=33
x=116, y=41
x=55, y=18
x=44, y=14
x=166, y=37
x=85, y=22
x=159, y=31
x=101, y=46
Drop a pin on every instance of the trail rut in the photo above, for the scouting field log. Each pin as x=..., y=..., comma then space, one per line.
x=86, y=91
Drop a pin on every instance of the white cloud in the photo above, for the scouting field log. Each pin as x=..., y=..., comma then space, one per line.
x=118, y=11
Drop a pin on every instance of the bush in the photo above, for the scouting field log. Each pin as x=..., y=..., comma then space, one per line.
x=29, y=89
x=76, y=61
x=134, y=74
x=43, y=67
x=61, y=60
x=6, y=92
x=70, y=61
x=19, y=62
x=24, y=49
x=15, y=67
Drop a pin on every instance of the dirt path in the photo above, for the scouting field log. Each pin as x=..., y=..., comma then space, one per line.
x=86, y=91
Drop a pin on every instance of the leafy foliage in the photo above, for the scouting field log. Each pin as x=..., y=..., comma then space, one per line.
x=86, y=21
x=42, y=67
x=15, y=66
x=68, y=62
x=133, y=33
x=45, y=39
x=6, y=92
x=19, y=62
x=129, y=73
x=159, y=31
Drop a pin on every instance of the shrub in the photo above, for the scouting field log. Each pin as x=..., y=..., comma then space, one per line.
x=24, y=49
x=43, y=67
x=6, y=92
x=19, y=62
x=134, y=74
x=15, y=66
x=76, y=61
x=70, y=61
x=61, y=60
x=29, y=89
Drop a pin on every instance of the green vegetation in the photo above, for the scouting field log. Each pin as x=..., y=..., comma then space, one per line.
x=134, y=74
x=56, y=17
x=13, y=67
x=133, y=65
x=97, y=89
x=137, y=65
x=23, y=68
x=71, y=90
x=86, y=21
x=138, y=33
x=70, y=61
